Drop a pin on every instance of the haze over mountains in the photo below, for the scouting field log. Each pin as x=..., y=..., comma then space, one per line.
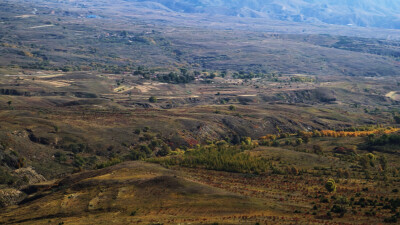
x=365, y=13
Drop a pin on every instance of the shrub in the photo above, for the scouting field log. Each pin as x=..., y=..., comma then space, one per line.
x=284, y=135
x=60, y=157
x=275, y=143
x=247, y=140
x=146, y=150
x=299, y=141
x=76, y=148
x=153, y=99
x=324, y=200
x=136, y=155
x=397, y=119
x=317, y=149
x=292, y=170
x=339, y=210
x=165, y=150
x=79, y=161
x=342, y=200
x=306, y=139
x=392, y=219
x=112, y=162
x=6, y=178
x=330, y=185
x=343, y=173
x=13, y=161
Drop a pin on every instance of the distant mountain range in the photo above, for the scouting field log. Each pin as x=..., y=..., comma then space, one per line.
x=365, y=13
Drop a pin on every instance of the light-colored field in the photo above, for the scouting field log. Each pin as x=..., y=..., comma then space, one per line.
x=49, y=75
x=393, y=95
x=41, y=26
x=147, y=87
x=59, y=83
x=123, y=88
x=25, y=16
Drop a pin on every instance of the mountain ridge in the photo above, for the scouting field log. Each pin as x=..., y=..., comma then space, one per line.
x=343, y=12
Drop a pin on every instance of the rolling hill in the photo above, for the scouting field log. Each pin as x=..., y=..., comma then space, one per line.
x=199, y=112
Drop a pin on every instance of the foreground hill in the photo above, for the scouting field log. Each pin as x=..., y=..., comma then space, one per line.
x=130, y=193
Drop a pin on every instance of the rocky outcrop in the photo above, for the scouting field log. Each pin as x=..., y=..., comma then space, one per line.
x=10, y=197
x=30, y=175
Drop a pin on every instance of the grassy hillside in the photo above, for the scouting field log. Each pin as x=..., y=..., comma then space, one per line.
x=128, y=193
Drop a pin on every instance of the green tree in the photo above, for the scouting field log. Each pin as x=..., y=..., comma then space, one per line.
x=165, y=150
x=299, y=141
x=212, y=76
x=136, y=154
x=153, y=99
x=236, y=139
x=145, y=149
